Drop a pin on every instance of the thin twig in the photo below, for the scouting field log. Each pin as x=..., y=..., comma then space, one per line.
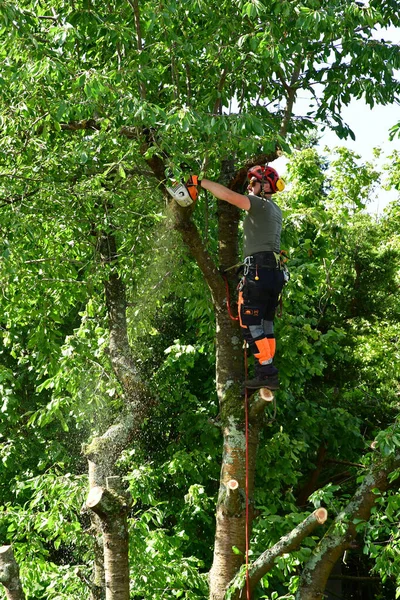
x=345, y=462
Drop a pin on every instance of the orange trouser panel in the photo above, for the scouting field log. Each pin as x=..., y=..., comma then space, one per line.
x=272, y=346
x=264, y=352
x=265, y=346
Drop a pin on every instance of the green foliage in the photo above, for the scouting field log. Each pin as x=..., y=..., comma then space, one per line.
x=45, y=528
x=339, y=391
x=79, y=100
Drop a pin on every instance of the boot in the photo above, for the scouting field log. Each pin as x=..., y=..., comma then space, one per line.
x=266, y=376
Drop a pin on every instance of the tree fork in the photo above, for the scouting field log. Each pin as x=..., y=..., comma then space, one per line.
x=9, y=574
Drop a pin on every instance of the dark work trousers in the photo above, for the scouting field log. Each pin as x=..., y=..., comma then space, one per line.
x=258, y=298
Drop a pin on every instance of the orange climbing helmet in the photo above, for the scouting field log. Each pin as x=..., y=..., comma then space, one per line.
x=269, y=174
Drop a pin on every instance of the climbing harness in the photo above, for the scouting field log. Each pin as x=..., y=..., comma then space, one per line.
x=271, y=260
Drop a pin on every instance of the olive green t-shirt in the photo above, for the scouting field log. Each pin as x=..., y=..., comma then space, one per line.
x=262, y=226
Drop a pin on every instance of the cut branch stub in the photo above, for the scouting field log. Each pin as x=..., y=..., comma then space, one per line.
x=266, y=395
x=258, y=404
x=104, y=503
x=342, y=532
x=321, y=514
x=233, y=503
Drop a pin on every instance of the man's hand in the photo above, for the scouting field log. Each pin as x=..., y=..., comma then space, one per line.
x=192, y=187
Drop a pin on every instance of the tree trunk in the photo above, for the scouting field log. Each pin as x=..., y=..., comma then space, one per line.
x=231, y=506
x=230, y=531
x=98, y=584
x=111, y=537
x=111, y=505
x=9, y=574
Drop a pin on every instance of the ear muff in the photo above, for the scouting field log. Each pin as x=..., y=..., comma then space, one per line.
x=280, y=185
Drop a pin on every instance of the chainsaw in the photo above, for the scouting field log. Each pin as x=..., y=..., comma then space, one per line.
x=185, y=194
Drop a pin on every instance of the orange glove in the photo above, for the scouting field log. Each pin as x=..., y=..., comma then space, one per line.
x=192, y=187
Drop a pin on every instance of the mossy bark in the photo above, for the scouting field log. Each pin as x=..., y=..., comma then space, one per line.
x=231, y=508
x=9, y=574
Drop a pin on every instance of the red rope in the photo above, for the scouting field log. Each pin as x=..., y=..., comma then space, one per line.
x=228, y=300
x=246, y=420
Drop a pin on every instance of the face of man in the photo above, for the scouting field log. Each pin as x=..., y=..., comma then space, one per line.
x=266, y=188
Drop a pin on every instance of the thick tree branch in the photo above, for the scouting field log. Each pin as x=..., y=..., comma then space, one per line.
x=119, y=348
x=265, y=562
x=104, y=450
x=343, y=530
x=220, y=87
x=19, y=198
x=194, y=243
x=94, y=124
x=291, y=89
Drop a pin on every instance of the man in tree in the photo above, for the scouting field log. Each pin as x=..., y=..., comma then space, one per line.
x=263, y=278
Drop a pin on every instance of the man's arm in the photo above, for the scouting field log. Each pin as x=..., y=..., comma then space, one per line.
x=224, y=193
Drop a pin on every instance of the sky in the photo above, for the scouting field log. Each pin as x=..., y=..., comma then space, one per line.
x=371, y=128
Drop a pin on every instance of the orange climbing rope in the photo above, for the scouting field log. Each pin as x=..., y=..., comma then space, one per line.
x=228, y=300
